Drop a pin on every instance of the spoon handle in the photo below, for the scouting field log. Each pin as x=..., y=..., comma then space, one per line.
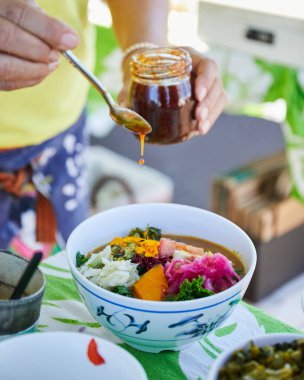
x=91, y=78
x=26, y=276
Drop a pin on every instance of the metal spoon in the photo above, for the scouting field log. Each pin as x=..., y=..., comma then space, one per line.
x=122, y=116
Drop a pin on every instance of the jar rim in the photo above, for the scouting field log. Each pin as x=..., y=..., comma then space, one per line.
x=161, y=63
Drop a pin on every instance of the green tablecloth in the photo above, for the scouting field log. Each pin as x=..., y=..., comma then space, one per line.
x=63, y=310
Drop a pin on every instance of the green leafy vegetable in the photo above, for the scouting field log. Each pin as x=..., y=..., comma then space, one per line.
x=152, y=233
x=122, y=290
x=191, y=290
x=80, y=259
x=137, y=232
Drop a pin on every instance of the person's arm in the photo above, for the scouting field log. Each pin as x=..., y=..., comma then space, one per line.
x=136, y=21
x=29, y=44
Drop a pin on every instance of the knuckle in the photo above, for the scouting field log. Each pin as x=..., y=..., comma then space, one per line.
x=55, y=30
x=17, y=12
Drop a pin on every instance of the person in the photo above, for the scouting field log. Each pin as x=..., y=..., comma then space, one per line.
x=42, y=99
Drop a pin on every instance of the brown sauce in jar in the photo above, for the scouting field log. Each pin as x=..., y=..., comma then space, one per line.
x=168, y=109
x=161, y=92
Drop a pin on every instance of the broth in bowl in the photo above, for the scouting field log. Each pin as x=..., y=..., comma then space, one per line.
x=152, y=266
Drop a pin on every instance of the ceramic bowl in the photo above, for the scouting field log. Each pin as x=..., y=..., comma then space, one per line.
x=154, y=326
x=19, y=316
x=263, y=340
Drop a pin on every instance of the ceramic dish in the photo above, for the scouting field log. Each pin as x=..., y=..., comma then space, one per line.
x=263, y=340
x=154, y=326
x=63, y=355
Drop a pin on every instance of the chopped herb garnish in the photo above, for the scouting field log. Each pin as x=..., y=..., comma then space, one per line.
x=122, y=290
x=80, y=259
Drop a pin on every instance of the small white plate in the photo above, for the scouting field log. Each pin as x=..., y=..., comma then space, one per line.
x=63, y=356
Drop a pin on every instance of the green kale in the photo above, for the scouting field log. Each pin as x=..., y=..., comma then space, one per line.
x=122, y=290
x=137, y=232
x=191, y=290
x=80, y=259
x=153, y=233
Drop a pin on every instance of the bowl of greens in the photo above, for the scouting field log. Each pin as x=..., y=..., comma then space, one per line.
x=160, y=276
x=267, y=357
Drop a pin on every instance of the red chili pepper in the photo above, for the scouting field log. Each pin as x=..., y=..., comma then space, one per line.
x=93, y=354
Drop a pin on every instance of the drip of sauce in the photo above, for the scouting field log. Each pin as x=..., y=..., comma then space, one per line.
x=93, y=354
x=142, y=136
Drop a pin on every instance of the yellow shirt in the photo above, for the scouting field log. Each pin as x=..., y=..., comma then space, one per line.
x=32, y=115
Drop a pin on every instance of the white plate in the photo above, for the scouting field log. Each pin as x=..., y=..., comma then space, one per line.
x=63, y=356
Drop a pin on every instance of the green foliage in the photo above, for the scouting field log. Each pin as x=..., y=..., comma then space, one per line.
x=152, y=233
x=191, y=290
x=136, y=232
x=122, y=290
x=80, y=259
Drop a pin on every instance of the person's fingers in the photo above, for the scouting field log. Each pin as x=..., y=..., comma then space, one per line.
x=15, y=85
x=55, y=33
x=206, y=106
x=17, y=69
x=33, y=4
x=16, y=41
x=205, y=72
x=204, y=126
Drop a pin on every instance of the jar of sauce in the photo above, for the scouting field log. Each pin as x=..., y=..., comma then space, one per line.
x=161, y=92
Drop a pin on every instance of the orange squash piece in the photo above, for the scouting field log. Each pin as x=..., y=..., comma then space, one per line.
x=152, y=285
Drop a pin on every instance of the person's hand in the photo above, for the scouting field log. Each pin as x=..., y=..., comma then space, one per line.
x=30, y=43
x=208, y=91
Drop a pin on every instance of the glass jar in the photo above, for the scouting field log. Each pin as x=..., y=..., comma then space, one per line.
x=161, y=92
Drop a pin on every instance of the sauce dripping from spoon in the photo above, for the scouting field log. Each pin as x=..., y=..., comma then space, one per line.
x=142, y=136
